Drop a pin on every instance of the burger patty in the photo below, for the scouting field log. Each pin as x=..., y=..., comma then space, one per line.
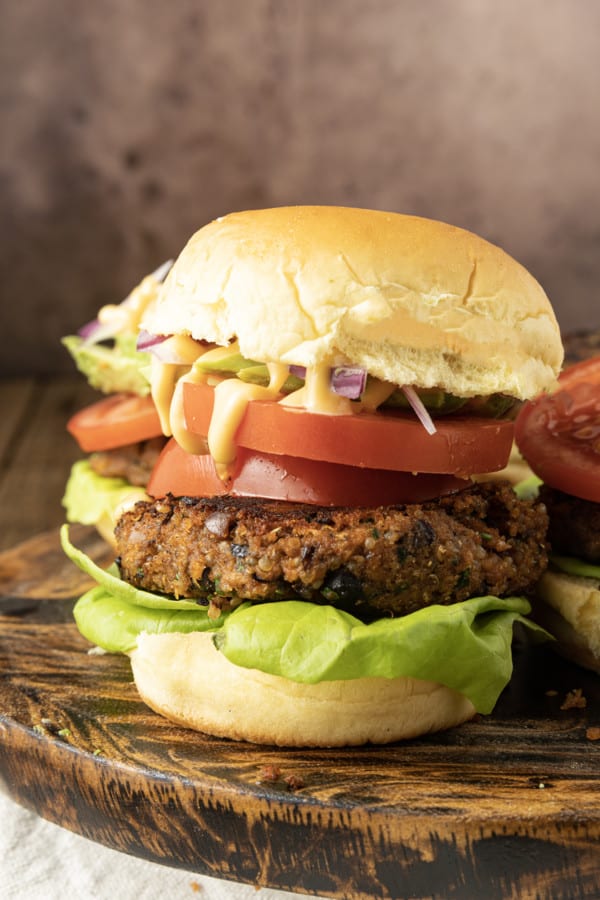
x=574, y=528
x=380, y=561
x=134, y=462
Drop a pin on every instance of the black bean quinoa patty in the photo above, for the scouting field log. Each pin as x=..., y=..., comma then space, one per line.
x=373, y=562
x=574, y=528
x=134, y=462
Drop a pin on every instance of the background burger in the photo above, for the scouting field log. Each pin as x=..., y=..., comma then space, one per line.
x=559, y=435
x=314, y=565
x=123, y=431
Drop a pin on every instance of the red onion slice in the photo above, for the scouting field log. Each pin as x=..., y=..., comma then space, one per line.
x=298, y=371
x=146, y=340
x=159, y=275
x=419, y=409
x=166, y=351
x=163, y=270
x=348, y=381
x=87, y=331
x=95, y=331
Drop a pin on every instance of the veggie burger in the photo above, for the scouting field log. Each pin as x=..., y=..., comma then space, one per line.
x=301, y=404
x=559, y=435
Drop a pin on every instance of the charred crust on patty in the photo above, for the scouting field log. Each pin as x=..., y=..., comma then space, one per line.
x=372, y=562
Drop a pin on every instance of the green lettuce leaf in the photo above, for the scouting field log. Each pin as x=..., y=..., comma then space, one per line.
x=112, y=369
x=573, y=566
x=114, y=623
x=466, y=646
x=112, y=583
x=528, y=489
x=93, y=499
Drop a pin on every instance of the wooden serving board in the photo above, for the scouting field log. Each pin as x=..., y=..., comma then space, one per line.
x=505, y=806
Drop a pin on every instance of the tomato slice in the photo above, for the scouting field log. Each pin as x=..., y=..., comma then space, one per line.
x=559, y=433
x=114, y=422
x=394, y=441
x=277, y=477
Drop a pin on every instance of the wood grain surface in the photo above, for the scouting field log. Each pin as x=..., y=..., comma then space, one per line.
x=505, y=806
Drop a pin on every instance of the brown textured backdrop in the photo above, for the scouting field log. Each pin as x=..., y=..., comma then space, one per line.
x=127, y=125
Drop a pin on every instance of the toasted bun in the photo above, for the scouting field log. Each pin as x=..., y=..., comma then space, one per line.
x=412, y=300
x=569, y=607
x=185, y=678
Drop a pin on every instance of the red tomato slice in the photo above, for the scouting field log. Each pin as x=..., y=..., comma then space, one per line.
x=277, y=477
x=393, y=441
x=559, y=433
x=114, y=422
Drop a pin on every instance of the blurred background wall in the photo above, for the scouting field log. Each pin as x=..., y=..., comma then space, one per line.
x=127, y=124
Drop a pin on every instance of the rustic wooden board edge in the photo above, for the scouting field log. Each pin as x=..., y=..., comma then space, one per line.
x=292, y=844
x=319, y=839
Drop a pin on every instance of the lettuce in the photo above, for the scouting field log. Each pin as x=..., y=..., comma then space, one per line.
x=113, y=623
x=110, y=580
x=528, y=489
x=114, y=369
x=466, y=646
x=93, y=499
x=573, y=566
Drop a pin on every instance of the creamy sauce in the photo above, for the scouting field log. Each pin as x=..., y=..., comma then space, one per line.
x=230, y=400
x=164, y=376
x=317, y=395
x=232, y=396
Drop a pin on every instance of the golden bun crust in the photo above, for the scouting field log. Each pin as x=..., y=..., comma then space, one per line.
x=569, y=607
x=185, y=678
x=412, y=300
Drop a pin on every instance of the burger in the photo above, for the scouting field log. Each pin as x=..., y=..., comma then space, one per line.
x=123, y=429
x=559, y=435
x=314, y=563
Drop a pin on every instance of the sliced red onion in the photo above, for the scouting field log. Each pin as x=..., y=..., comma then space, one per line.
x=298, y=371
x=348, y=381
x=166, y=352
x=161, y=273
x=146, y=340
x=87, y=330
x=95, y=331
x=419, y=409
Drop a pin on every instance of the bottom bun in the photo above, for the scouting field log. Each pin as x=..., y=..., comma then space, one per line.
x=185, y=678
x=568, y=606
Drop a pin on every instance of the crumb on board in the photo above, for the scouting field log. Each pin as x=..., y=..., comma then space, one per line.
x=593, y=733
x=294, y=782
x=574, y=700
x=269, y=774
x=272, y=774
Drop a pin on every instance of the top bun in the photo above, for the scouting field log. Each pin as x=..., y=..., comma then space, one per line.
x=412, y=300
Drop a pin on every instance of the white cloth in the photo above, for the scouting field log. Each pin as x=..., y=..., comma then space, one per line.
x=40, y=861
